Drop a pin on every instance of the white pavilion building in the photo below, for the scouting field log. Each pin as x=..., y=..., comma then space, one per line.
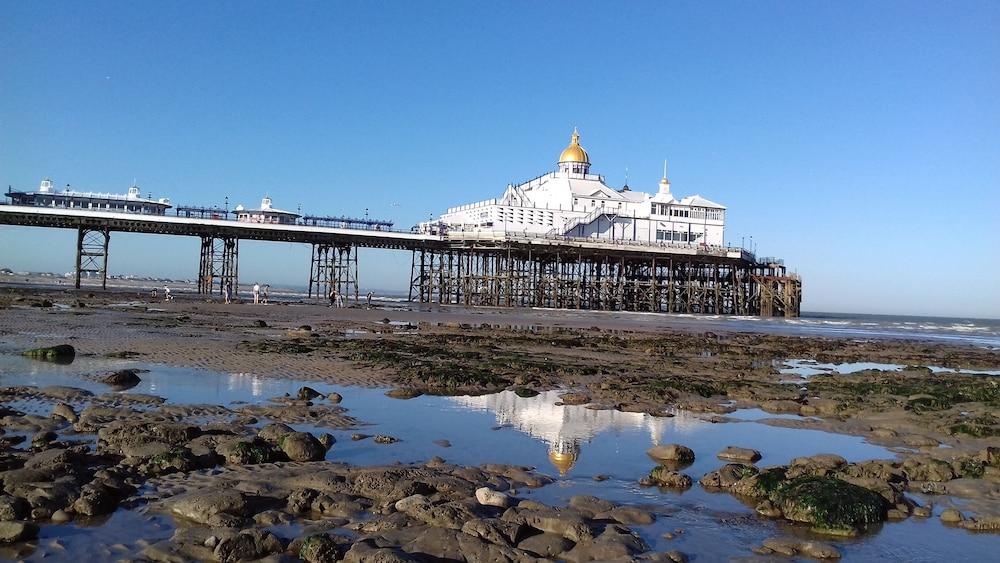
x=571, y=201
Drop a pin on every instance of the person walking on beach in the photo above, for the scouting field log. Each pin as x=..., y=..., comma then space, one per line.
x=369, y=298
x=333, y=297
x=266, y=292
x=166, y=294
x=256, y=293
x=227, y=292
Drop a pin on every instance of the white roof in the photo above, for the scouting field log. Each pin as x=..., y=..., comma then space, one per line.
x=699, y=201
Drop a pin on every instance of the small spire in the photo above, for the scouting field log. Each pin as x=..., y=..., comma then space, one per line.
x=575, y=138
x=664, y=169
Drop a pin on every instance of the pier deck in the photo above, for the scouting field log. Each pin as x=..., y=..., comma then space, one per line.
x=495, y=269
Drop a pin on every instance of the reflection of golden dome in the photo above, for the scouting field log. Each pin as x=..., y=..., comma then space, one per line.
x=563, y=461
x=574, y=152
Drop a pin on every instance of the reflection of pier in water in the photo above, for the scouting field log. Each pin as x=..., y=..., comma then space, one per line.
x=565, y=428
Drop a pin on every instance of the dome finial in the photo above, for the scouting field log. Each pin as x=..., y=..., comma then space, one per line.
x=574, y=152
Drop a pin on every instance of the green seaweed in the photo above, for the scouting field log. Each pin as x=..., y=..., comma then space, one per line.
x=830, y=504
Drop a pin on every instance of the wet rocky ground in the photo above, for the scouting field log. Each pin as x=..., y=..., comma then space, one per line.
x=236, y=480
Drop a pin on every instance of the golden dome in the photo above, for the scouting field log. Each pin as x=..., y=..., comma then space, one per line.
x=563, y=461
x=574, y=152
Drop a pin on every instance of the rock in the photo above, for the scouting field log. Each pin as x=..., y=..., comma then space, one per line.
x=385, y=439
x=363, y=552
x=334, y=398
x=676, y=556
x=319, y=548
x=728, y=475
x=61, y=517
x=545, y=545
x=64, y=411
x=97, y=499
x=574, y=398
x=590, y=506
x=13, y=531
x=665, y=477
x=211, y=542
x=489, y=497
x=327, y=440
x=495, y=531
x=308, y=393
x=13, y=508
x=631, y=515
x=783, y=546
x=951, y=516
x=123, y=378
x=615, y=543
x=744, y=455
x=561, y=522
x=244, y=452
x=274, y=431
x=829, y=504
x=982, y=524
x=224, y=508
x=302, y=446
x=43, y=438
x=817, y=465
x=443, y=443
x=247, y=545
x=600, y=477
x=819, y=550
x=671, y=452
x=358, y=437
x=403, y=393
x=59, y=353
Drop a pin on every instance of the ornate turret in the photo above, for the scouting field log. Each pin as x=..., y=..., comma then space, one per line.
x=574, y=158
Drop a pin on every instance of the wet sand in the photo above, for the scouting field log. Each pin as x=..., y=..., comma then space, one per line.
x=941, y=426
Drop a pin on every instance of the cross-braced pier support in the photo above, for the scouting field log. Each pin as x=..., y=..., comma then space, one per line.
x=505, y=277
x=219, y=265
x=333, y=267
x=92, y=253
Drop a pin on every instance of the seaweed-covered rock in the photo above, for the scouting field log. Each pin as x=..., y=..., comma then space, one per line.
x=247, y=545
x=665, y=477
x=830, y=504
x=319, y=548
x=762, y=484
x=59, y=353
x=13, y=531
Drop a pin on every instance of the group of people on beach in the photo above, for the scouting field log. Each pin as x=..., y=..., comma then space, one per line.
x=337, y=298
x=261, y=294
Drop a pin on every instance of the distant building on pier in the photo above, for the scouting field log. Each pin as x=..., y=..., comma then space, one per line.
x=266, y=214
x=571, y=201
x=130, y=202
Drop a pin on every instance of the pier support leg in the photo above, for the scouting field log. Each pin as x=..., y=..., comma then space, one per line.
x=92, y=253
x=333, y=267
x=219, y=265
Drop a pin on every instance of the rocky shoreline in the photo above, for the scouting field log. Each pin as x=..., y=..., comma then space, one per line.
x=243, y=484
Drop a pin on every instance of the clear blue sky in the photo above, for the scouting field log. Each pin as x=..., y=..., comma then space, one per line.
x=858, y=140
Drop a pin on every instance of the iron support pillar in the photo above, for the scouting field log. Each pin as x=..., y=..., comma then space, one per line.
x=333, y=268
x=92, y=253
x=219, y=265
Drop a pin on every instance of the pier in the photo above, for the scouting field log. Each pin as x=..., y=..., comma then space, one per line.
x=463, y=268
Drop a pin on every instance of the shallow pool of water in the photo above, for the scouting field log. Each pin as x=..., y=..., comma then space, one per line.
x=572, y=443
